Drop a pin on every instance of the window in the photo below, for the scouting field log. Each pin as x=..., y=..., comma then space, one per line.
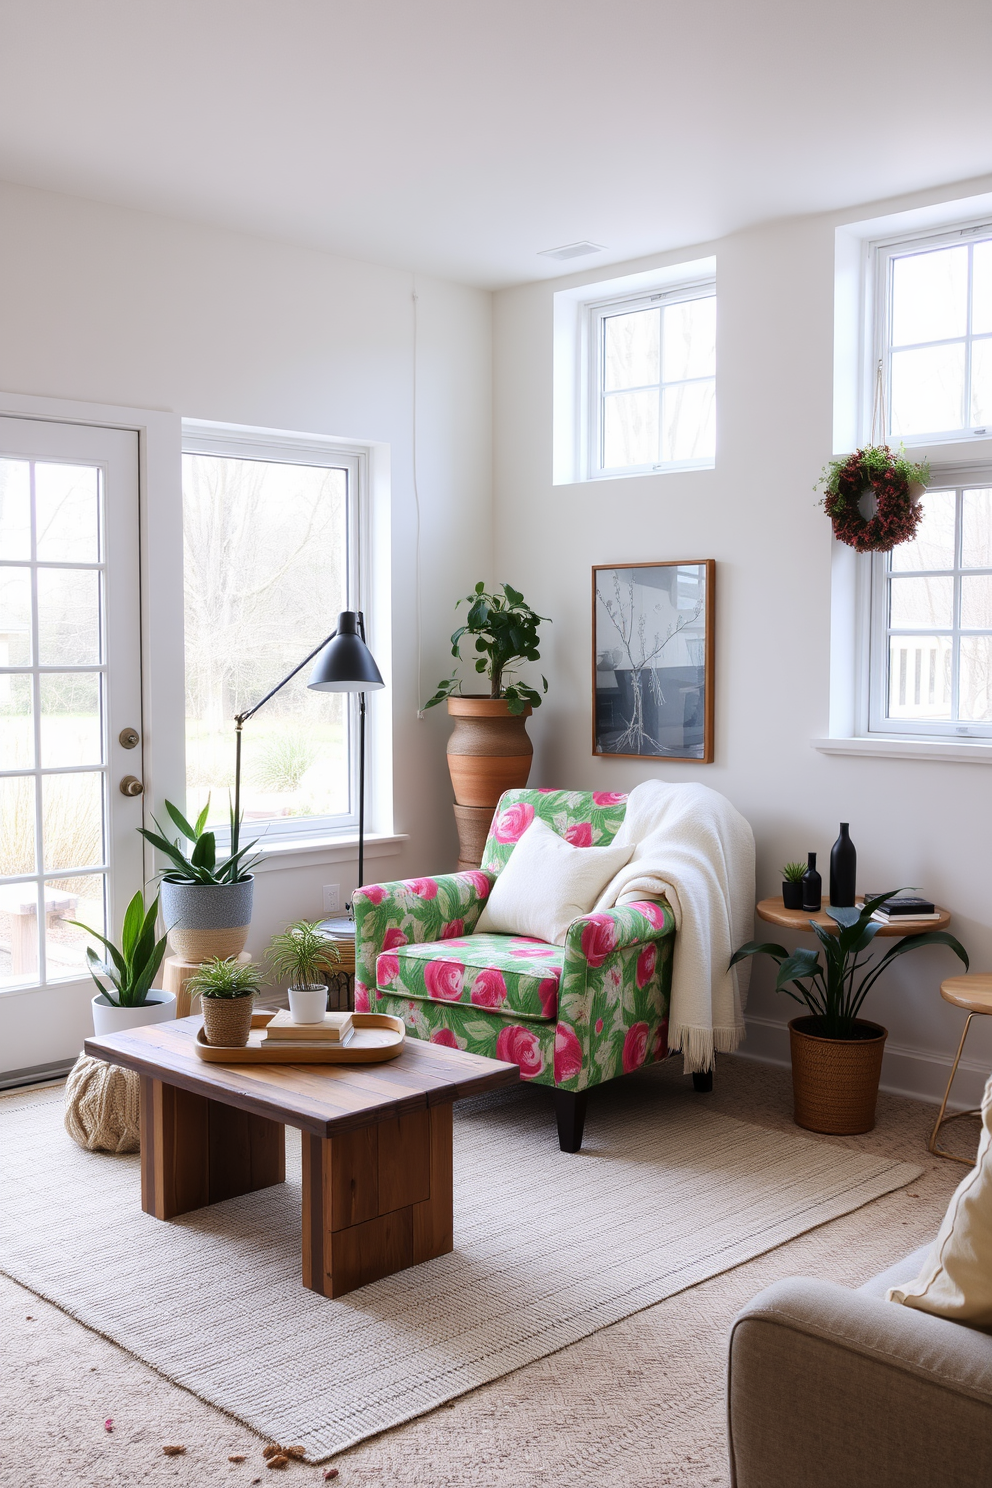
x=934, y=336
x=273, y=550
x=931, y=629
x=653, y=382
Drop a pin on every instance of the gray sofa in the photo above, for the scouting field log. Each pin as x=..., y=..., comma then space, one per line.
x=833, y=1388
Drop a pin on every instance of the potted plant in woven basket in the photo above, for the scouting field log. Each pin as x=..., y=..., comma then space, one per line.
x=227, y=990
x=129, y=1000
x=489, y=751
x=301, y=954
x=206, y=904
x=837, y=1056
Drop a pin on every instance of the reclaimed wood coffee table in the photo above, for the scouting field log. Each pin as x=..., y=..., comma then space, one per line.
x=377, y=1158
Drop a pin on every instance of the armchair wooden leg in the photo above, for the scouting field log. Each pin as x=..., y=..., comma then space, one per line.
x=702, y=1081
x=570, y=1110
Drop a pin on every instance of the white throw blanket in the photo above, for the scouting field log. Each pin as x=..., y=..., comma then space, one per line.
x=692, y=846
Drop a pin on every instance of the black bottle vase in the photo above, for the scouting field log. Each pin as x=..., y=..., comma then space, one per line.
x=812, y=886
x=843, y=870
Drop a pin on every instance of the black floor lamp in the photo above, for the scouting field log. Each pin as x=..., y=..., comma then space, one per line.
x=345, y=664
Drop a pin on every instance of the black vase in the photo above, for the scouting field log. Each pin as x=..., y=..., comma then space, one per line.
x=812, y=886
x=843, y=870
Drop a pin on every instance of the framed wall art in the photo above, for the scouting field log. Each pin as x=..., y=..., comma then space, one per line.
x=652, y=647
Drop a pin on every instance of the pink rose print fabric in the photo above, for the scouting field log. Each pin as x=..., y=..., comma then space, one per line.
x=517, y=1045
x=568, y=1054
x=573, y=1015
x=512, y=823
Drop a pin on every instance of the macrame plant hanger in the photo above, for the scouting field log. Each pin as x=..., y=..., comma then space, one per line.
x=878, y=406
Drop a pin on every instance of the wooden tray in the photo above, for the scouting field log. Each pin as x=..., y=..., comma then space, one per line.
x=377, y=1037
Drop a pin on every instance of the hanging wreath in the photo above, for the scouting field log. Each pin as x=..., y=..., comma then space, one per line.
x=897, y=485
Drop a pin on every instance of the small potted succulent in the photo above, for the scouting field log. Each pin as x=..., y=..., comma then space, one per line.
x=130, y=1000
x=301, y=954
x=227, y=990
x=206, y=905
x=792, y=885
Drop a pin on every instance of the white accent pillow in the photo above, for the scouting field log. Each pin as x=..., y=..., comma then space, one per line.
x=547, y=883
x=956, y=1281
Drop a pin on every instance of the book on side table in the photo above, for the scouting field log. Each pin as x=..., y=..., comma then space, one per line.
x=904, y=907
x=335, y=1029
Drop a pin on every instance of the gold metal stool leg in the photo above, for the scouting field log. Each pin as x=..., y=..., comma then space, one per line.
x=932, y=1146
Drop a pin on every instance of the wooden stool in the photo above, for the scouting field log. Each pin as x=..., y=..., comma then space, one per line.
x=974, y=994
x=177, y=975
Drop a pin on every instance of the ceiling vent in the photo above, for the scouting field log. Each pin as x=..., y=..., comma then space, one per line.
x=571, y=250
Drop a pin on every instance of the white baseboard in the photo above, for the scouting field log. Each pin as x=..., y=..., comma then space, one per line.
x=905, y=1070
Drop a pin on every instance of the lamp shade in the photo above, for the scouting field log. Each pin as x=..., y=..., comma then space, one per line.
x=346, y=664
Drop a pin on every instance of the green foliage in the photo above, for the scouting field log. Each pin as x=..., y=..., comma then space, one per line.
x=875, y=460
x=506, y=633
x=225, y=978
x=284, y=761
x=132, y=967
x=794, y=872
x=829, y=991
x=301, y=953
x=200, y=864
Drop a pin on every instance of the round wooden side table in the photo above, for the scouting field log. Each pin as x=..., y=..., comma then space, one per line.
x=973, y=993
x=775, y=912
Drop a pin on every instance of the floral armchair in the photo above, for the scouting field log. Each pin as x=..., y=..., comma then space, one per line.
x=570, y=1016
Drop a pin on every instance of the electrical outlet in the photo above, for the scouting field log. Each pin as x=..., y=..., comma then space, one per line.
x=332, y=898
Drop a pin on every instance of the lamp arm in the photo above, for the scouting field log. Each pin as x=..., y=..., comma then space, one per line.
x=242, y=718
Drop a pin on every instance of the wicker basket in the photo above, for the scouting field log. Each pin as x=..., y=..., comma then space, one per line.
x=227, y=1020
x=835, y=1081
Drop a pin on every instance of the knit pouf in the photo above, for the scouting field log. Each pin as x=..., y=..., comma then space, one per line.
x=102, y=1106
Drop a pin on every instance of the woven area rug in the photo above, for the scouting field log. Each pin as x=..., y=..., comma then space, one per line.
x=548, y=1249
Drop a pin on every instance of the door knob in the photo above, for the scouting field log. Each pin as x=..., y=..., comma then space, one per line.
x=131, y=786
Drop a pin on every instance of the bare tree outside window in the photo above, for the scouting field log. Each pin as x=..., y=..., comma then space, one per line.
x=266, y=572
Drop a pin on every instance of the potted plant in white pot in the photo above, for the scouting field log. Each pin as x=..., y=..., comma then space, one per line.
x=837, y=1056
x=130, y=1000
x=301, y=954
x=489, y=751
x=206, y=905
x=227, y=989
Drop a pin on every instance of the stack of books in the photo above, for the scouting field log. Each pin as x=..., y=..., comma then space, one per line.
x=336, y=1029
x=904, y=907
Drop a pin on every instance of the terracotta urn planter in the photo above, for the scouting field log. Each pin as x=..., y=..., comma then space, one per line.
x=835, y=1081
x=488, y=753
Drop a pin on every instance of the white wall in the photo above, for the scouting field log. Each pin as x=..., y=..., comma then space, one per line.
x=119, y=307
x=914, y=822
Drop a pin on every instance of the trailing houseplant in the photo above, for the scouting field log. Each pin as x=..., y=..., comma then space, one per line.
x=227, y=989
x=206, y=903
x=489, y=751
x=792, y=885
x=897, y=483
x=129, y=1000
x=301, y=954
x=836, y=1055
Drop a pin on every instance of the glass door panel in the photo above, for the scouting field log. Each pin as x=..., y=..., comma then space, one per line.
x=69, y=683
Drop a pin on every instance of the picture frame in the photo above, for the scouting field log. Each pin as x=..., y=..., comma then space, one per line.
x=652, y=659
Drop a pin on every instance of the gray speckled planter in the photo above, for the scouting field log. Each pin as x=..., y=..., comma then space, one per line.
x=205, y=920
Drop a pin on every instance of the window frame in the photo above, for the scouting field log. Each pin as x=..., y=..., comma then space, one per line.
x=958, y=478
x=596, y=312
x=289, y=449
x=881, y=254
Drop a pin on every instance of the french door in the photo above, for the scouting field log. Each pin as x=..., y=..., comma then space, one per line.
x=70, y=711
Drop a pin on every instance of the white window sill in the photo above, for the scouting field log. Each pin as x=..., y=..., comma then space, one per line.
x=307, y=852
x=961, y=752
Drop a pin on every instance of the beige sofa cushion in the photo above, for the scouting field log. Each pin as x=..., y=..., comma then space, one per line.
x=956, y=1280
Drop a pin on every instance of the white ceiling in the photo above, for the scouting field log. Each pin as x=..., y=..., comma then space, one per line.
x=461, y=137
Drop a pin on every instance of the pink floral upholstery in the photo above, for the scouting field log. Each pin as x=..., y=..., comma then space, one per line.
x=570, y=1016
